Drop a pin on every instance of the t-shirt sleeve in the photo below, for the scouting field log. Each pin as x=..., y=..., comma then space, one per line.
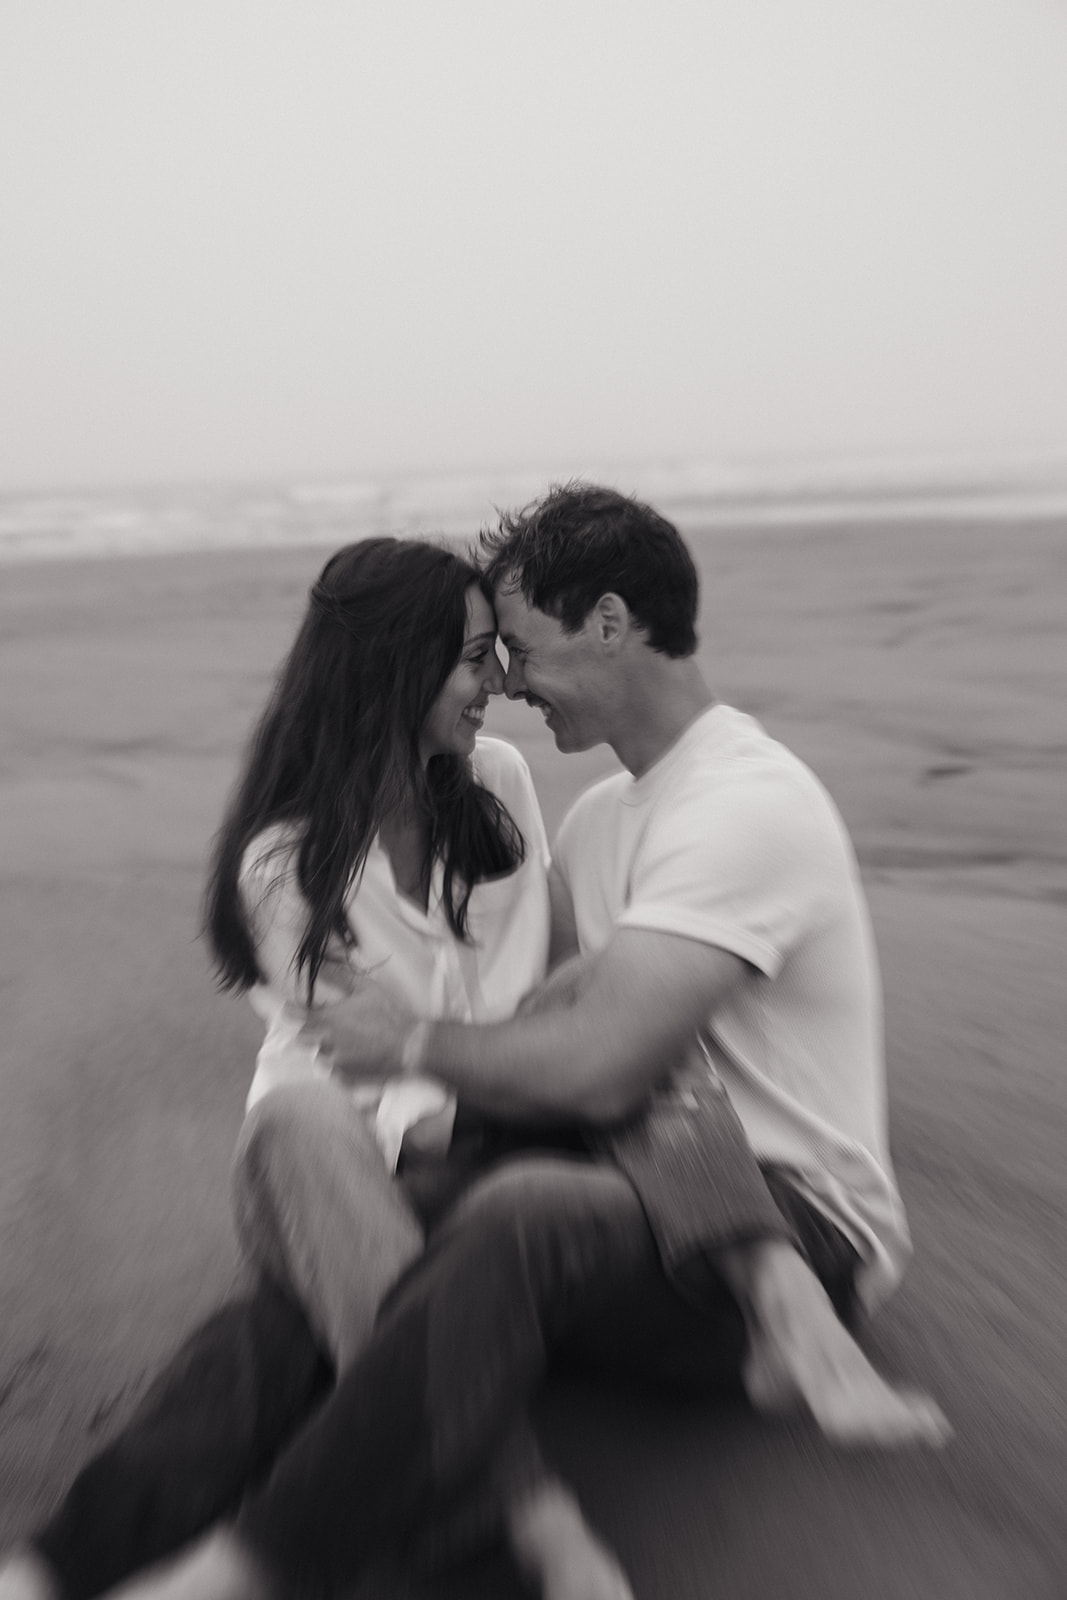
x=743, y=866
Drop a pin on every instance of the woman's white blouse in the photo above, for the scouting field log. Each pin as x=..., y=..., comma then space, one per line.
x=414, y=955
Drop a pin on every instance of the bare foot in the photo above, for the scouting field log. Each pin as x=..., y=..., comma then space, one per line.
x=555, y=1547
x=24, y=1576
x=217, y=1567
x=801, y=1353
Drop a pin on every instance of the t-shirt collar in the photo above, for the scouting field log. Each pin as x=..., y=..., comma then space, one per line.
x=703, y=724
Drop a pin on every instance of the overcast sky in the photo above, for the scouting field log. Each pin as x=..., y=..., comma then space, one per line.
x=245, y=237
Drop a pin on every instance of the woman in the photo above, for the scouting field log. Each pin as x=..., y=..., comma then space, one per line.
x=373, y=829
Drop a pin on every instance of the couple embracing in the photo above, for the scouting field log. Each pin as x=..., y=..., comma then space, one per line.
x=624, y=1108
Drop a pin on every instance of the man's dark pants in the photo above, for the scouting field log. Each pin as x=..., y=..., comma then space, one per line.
x=543, y=1254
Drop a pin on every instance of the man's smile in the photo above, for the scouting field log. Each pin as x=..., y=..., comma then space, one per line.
x=537, y=703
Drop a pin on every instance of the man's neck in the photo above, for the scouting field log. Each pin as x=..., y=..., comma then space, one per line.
x=663, y=704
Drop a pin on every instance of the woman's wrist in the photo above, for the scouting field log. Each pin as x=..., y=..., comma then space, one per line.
x=414, y=1050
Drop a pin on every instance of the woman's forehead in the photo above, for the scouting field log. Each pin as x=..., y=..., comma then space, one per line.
x=481, y=618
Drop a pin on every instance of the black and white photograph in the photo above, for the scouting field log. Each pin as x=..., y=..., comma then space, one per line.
x=533, y=863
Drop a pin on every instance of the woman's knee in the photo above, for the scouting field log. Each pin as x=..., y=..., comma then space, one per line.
x=297, y=1120
x=293, y=1131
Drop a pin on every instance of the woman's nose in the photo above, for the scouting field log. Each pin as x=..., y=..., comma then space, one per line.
x=493, y=682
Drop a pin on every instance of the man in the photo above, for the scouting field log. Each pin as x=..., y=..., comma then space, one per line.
x=711, y=890
x=712, y=898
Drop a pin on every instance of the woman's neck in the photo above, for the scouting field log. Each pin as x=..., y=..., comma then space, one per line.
x=404, y=835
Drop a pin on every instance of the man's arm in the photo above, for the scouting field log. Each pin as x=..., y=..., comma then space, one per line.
x=636, y=1008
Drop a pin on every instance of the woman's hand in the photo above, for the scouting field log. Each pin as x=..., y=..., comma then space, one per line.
x=365, y=1032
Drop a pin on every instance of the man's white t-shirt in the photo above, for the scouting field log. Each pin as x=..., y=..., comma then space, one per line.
x=730, y=839
x=413, y=954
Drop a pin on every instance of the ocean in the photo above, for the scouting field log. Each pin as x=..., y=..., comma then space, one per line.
x=140, y=520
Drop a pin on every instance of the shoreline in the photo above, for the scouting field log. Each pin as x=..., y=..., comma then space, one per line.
x=209, y=519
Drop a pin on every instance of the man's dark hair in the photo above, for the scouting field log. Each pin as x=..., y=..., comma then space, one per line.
x=580, y=542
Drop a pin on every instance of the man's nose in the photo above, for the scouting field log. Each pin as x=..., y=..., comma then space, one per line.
x=513, y=684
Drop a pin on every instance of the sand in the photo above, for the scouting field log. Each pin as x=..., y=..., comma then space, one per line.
x=921, y=671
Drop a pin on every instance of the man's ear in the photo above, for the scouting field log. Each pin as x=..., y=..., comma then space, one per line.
x=612, y=619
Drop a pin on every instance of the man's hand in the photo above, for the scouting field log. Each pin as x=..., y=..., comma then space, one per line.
x=366, y=1032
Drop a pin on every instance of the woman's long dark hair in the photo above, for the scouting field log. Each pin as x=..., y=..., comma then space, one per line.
x=337, y=749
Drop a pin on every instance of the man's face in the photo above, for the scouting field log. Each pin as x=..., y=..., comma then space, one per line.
x=562, y=674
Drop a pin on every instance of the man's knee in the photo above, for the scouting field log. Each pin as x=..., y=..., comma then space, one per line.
x=550, y=1201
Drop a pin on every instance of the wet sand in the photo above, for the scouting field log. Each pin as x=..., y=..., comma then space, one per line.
x=921, y=671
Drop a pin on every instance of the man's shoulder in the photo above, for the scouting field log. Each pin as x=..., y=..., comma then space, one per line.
x=735, y=796
x=737, y=762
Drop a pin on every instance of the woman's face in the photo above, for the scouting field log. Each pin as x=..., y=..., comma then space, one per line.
x=459, y=710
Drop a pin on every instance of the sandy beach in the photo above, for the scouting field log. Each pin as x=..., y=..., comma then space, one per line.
x=920, y=669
